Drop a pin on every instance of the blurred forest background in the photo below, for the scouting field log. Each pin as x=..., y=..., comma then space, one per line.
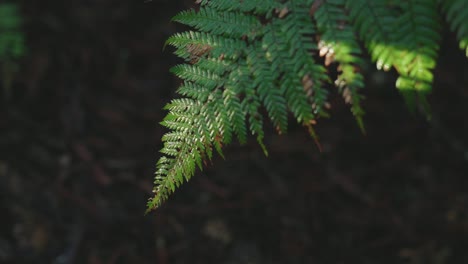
x=82, y=85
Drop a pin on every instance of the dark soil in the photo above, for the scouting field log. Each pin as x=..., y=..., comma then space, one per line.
x=79, y=139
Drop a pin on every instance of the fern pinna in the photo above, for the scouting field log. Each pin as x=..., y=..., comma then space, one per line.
x=248, y=55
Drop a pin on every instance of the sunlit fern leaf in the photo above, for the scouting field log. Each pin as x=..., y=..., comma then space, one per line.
x=338, y=43
x=182, y=151
x=418, y=31
x=374, y=22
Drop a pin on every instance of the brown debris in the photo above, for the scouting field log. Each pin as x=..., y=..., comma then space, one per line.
x=315, y=6
x=197, y=51
x=282, y=12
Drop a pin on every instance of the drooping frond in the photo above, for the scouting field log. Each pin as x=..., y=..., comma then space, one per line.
x=251, y=104
x=243, y=57
x=214, y=109
x=246, y=57
x=418, y=37
x=289, y=48
x=265, y=80
x=401, y=34
x=338, y=43
x=456, y=12
x=374, y=21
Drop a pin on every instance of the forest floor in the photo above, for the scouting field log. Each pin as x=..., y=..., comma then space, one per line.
x=80, y=137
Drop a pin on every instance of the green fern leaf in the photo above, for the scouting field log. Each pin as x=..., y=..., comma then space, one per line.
x=419, y=32
x=265, y=83
x=456, y=12
x=228, y=24
x=236, y=115
x=374, y=21
x=251, y=103
x=246, y=56
x=259, y=7
x=338, y=43
x=289, y=48
x=197, y=75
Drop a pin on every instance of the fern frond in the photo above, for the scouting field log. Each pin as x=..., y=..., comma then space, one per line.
x=197, y=75
x=259, y=7
x=456, y=12
x=251, y=104
x=197, y=92
x=236, y=115
x=224, y=23
x=419, y=33
x=222, y=121
x=338, y=42
x=195, y=127
x=288, y=45
x=237, y=65
x=265, y=84
x=248, y=55
x=193, y=44
x=374, y=22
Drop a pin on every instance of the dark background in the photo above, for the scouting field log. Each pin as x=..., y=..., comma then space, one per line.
x=79, y=139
